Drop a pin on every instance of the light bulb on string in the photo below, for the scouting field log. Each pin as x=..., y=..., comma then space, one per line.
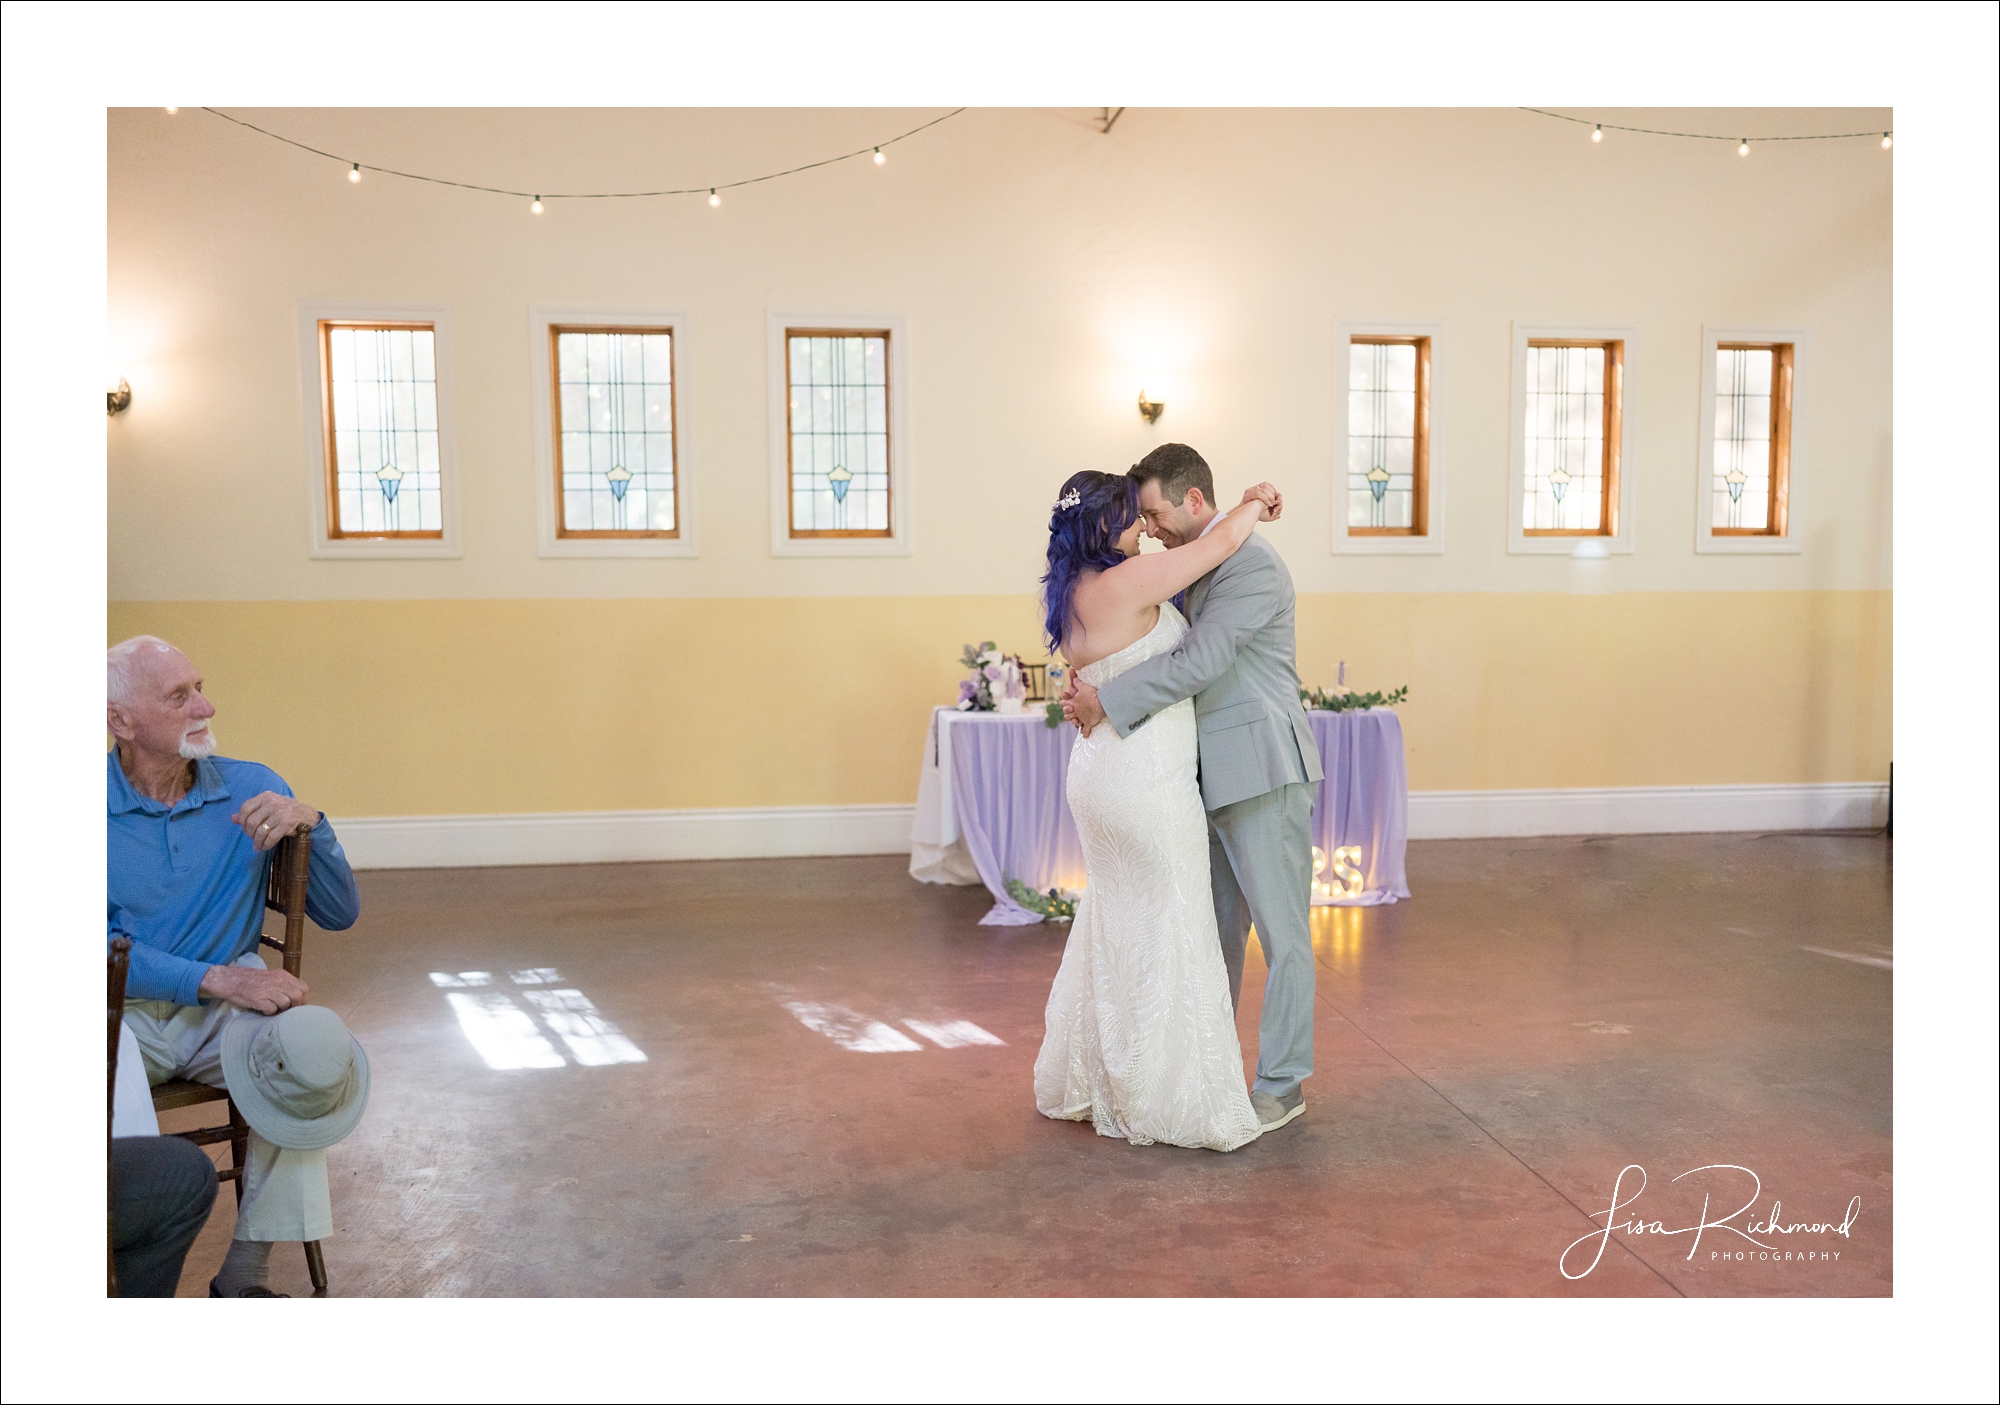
x=172, y=110
x=536, y=207
x=713, y=199
x=1597, y=134
x=879, y=157
x=354, y=176
x=1886, y=141
x=1743, y=147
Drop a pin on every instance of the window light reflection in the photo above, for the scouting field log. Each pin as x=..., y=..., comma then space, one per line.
x=445, y=980
x=592, y=1039
x=508, y=1037
x=954, y=1034
x=851, y=1031
x=502, y=1032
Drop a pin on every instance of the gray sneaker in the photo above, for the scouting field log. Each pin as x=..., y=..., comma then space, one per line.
x=1274, y=1112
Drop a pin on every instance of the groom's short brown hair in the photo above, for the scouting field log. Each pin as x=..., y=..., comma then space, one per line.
x=1176, y=468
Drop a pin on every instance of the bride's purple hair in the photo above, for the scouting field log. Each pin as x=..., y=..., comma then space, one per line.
x=1083, y=536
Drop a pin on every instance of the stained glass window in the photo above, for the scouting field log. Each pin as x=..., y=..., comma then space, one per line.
x=382, y=431
x=1571, y=442
x=1388, y=434
x=838, y=418
x=615, y=431
x=1752, y=434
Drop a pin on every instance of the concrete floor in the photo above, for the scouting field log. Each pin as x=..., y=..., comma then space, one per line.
x=1544, y=1013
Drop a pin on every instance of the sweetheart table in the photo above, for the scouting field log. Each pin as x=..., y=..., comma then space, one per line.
x=990, y=807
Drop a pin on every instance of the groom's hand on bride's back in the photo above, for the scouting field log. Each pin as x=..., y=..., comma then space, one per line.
x=1080, y=706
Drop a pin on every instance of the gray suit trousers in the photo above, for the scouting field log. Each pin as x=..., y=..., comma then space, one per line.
x=1260, y=868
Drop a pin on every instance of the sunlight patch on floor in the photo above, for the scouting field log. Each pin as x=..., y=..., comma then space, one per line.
x=508, y=1037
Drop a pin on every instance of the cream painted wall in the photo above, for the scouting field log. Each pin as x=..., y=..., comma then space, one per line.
x=1045, y=270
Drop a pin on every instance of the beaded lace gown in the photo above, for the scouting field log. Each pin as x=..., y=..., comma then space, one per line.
x=1141, y=1038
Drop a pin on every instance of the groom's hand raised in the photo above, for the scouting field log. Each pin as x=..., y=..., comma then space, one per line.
x=1267, y=494
x=1080, y=706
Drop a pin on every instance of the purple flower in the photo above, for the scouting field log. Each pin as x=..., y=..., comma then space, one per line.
x=991, y=672
x=966, y=689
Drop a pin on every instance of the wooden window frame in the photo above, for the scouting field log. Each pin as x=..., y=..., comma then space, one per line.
x=544, y=372
x=781, y=326
x=1420, y=448
x=559, y=329
x=1425, y=537
x=1781, y=531
x=889, y=397
x=331, y=478
x=1613, y=531
x=325, y=540
x=1614, y=419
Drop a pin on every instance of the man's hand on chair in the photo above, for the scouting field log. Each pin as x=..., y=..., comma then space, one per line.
x=269, y=817
x=245, y=987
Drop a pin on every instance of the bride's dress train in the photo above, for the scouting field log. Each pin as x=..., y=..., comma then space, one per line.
x=1141, y=1037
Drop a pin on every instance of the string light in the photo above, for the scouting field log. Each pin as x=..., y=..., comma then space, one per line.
x=1742, y=143
x=172, y=110
x=714, y=192
x=354, y=176
x=1886, y=142
x=536, y=208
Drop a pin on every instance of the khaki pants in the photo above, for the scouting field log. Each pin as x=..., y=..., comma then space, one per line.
x=285, y=1193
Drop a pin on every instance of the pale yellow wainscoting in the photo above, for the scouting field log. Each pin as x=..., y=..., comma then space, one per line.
x=441, y=707
x=1674, y=688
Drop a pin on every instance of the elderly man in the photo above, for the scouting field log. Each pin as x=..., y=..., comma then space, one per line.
x=190, y=841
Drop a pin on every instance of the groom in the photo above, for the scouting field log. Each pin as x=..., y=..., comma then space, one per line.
x=1259, y=763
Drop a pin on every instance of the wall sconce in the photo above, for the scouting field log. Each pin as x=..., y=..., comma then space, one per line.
x=117, y=397
x=1151, y=409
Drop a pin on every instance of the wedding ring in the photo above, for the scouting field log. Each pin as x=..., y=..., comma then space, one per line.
x=263, y=826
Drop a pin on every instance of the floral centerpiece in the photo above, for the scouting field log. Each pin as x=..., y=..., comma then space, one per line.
x=1340, y=698
x=997, y=684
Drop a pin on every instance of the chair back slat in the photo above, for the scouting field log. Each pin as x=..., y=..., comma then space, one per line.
x=291, y=862
x=120, y=966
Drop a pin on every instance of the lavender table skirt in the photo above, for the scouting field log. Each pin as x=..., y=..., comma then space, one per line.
x=1364, y=801
x=990, y=806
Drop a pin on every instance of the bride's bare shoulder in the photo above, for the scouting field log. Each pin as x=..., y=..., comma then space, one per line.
x=1095, y=605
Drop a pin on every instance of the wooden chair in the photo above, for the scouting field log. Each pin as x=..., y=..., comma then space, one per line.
x=286, y=893
x=120, y=964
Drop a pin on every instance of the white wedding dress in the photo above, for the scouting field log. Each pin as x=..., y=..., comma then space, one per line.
x=1141, y=1038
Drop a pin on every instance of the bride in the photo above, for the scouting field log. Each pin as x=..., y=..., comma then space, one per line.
x=1141, y=1033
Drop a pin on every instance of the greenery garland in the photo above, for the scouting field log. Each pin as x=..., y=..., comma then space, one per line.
x=1053, y=906
x=1341, y=700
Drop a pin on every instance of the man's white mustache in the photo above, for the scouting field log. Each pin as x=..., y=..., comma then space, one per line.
x=194, y=750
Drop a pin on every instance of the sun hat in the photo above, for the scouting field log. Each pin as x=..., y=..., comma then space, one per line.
x=299, y=1078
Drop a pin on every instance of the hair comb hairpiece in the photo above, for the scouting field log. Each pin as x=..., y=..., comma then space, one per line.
x=1068, y=500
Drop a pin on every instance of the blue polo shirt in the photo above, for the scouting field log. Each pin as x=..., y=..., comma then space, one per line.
x=187, y=886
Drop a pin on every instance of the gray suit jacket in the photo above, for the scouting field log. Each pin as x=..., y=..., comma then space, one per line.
x=1239, y=664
